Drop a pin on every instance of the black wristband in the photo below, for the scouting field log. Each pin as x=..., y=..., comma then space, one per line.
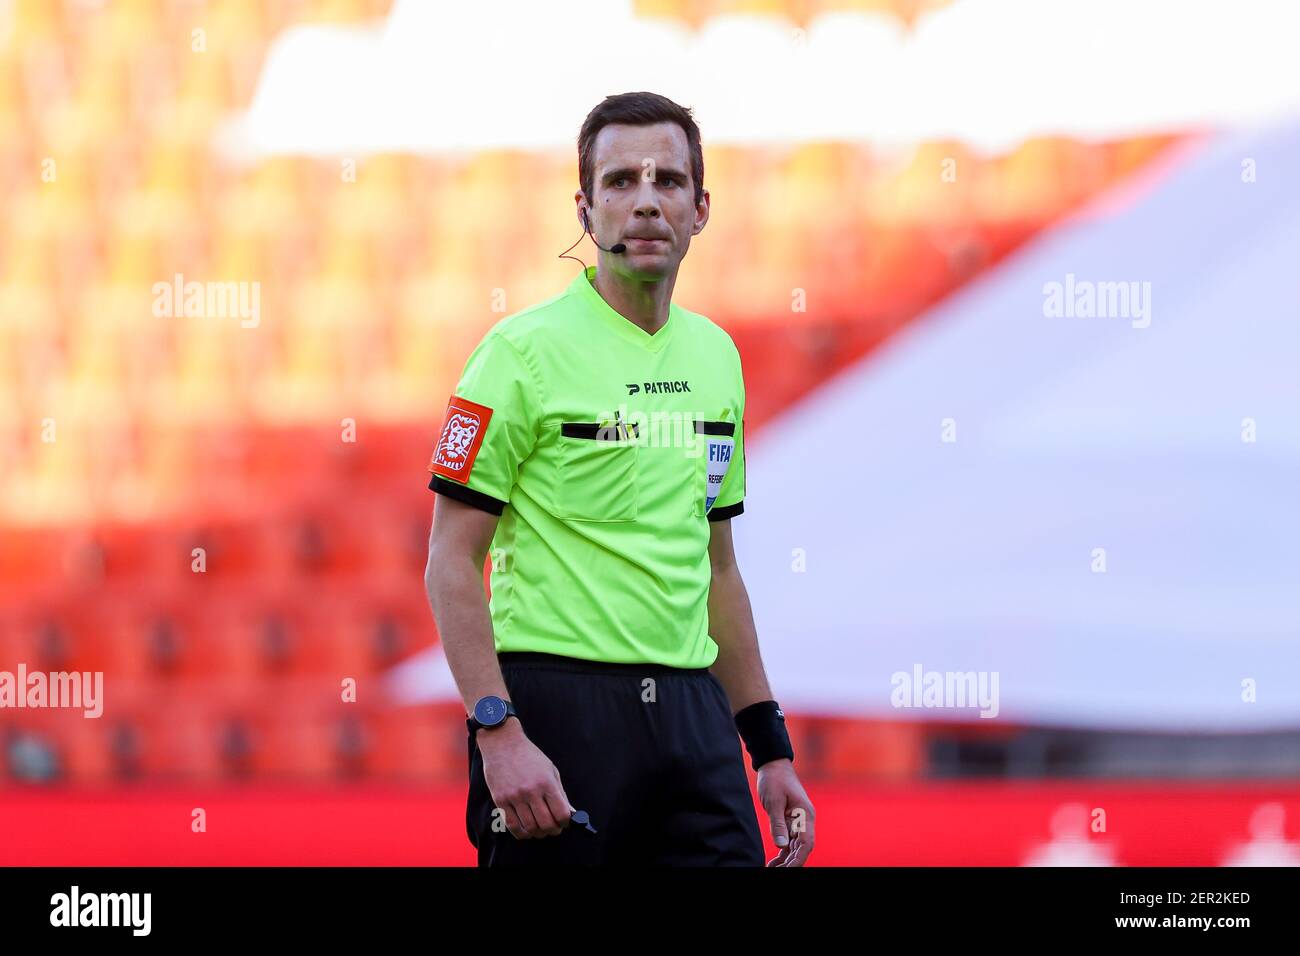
x=762, y=727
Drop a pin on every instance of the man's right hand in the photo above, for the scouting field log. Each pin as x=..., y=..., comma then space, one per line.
x=523, y=782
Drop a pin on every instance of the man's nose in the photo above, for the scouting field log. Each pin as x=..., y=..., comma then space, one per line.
x=647, y=201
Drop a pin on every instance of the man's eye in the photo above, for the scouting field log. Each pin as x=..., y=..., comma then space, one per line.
x=621, y=179
x=669, y=182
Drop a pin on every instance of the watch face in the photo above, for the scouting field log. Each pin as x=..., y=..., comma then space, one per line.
x=490, y=711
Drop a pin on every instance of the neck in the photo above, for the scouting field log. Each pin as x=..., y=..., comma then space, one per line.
x=643, y=303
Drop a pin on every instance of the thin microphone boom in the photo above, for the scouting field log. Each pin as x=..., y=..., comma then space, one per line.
x=616, y=248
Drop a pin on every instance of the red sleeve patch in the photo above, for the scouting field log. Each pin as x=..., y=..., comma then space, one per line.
x=462, y=436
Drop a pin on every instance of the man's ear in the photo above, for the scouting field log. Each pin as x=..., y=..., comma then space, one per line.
x=700, y=220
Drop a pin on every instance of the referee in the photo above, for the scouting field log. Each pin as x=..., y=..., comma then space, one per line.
x=594, y=446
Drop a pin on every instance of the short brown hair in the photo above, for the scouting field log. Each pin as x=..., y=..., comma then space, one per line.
x=637, y=109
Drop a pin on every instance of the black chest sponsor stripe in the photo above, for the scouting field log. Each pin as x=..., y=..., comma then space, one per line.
x=715, y=428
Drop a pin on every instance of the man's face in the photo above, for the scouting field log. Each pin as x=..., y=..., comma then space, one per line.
x=643, y=196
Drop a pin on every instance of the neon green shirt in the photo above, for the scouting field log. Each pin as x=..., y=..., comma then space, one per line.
x=606, y=451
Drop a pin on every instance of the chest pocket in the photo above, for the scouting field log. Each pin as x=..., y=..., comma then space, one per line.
x=716, y=442
x=597, y=472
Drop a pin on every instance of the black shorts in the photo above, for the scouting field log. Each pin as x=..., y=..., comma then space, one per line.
x=650, y=752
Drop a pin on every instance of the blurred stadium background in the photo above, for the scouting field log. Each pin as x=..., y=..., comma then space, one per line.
x=395, y=175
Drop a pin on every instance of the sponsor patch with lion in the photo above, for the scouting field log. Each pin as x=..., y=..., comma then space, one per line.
x=462, y=436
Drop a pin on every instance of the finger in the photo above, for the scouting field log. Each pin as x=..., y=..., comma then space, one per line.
x=801, y=823
x=780, y=858
x=562, y=798
x=793, y=855
x=524, y=818
x=559, y=799
x=513, y=823
x=802, y=848
x=546, y=825
x=780, y=830
x=559, y=808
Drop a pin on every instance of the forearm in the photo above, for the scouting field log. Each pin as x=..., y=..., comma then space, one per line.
x=739, y=666
x=460, y=609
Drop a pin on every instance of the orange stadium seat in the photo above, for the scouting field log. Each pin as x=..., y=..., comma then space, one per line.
x=415, y=742
x=849, y=748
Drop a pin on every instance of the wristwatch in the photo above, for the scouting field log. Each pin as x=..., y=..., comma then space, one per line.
x=490, y=712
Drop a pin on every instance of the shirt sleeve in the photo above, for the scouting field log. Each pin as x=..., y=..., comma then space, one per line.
x=490, y=428
x=731, y=496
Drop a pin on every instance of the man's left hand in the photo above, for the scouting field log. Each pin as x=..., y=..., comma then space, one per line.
x=789, y=810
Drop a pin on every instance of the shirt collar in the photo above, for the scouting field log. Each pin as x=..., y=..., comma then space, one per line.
x=582, y=287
